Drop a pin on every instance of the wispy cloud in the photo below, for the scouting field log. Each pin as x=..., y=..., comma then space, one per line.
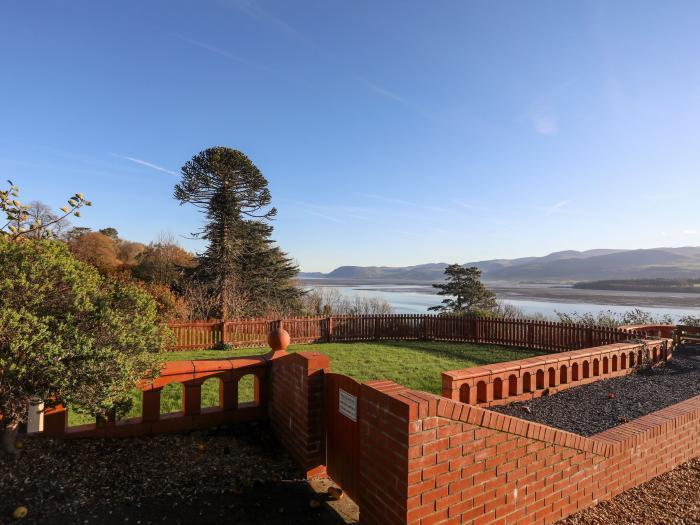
x=214, y=49
x=254, y=10
x=379, y=90
x=331, y=213
x=544, y=123
x=468, y=205
x=147, y=164
x=543, y=115
x=555, y=208
x=405, y=203
x=254, y=65
x=690, y=232
x=397, y=98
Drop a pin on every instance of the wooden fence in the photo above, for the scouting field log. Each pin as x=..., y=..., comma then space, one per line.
x=550, y=336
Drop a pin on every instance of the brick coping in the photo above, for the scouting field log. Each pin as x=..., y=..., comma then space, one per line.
x=607, y=443
x=547, y=359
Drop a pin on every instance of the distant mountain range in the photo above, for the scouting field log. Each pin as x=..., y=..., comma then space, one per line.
x=565, y=266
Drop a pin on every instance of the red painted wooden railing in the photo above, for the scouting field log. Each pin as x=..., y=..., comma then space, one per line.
x=542, y=335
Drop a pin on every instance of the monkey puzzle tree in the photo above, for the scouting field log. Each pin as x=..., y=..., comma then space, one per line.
x=465, y=292
x=240, y=261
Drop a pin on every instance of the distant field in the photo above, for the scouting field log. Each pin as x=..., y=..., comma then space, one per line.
x=415, y=364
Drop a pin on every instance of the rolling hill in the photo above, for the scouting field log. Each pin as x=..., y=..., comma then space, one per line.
x=564, y=266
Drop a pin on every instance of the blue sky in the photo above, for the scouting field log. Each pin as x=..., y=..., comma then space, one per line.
x=392, y=133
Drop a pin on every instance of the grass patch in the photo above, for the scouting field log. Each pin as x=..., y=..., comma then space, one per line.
x=415, y=364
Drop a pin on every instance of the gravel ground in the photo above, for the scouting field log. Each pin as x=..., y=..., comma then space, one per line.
x=593, y=408
x=234, y=475
x=672, y=498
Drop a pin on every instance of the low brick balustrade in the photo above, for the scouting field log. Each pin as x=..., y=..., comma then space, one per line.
x=524, y=379
x=191, y=375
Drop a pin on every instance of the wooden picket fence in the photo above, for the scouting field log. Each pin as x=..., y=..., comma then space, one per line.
x=549, y=336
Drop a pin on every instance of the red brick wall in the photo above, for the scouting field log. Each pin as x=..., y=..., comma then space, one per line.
x=296, y=407
x=502, y=383
x=435, y=461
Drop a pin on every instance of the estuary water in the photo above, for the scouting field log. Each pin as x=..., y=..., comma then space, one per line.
x=415, y=299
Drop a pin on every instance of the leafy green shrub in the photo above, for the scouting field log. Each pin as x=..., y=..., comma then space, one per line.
x=614, y=319
x=69, y=335
x=689, y=320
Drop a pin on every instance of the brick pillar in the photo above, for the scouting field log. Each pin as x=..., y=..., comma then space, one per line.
x=296, y=407
x=150, y=403
x=192, y=397
x=389, y=414
x=228, y=393
x=55, y=420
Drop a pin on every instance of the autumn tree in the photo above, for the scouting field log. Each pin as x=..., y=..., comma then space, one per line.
x=241, y=262
x=110, y=232
x=129, y=253
x=464, y=292
x=164, y=262
x=97, y=250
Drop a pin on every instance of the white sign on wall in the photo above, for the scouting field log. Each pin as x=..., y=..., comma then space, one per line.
x=347, y=405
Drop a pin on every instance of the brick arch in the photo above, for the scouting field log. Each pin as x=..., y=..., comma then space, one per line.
x=574, y=372
x=563, y=374
x=498, y=388
x=464, y=393
x=586, y=369
x=540, y=379
x=527, y=382
x=513, y=385
x=207, y=400
x=552, y=377
x=623, y=361
x=596, y=367
x=632, y=360
x=606, y=365
x=241, y=388
x=481, y=392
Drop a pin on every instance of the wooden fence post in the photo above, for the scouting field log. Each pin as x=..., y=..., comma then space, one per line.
x=329, y=328
x=222, y=327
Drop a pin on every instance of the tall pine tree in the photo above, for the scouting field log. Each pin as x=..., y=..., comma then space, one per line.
x=465, y=292
x=250, y=274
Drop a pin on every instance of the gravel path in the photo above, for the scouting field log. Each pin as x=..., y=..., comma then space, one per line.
x=232, y=475
x=593, y=408
x=672, y=498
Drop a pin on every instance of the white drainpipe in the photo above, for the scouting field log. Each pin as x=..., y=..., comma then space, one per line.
x=35, y=419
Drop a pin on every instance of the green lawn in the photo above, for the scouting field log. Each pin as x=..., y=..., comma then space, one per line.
x=415, y=364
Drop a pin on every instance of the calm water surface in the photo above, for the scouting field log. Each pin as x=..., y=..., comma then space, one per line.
x=406, y=300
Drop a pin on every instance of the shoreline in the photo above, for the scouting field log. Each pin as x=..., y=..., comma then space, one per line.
x=535, y=292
